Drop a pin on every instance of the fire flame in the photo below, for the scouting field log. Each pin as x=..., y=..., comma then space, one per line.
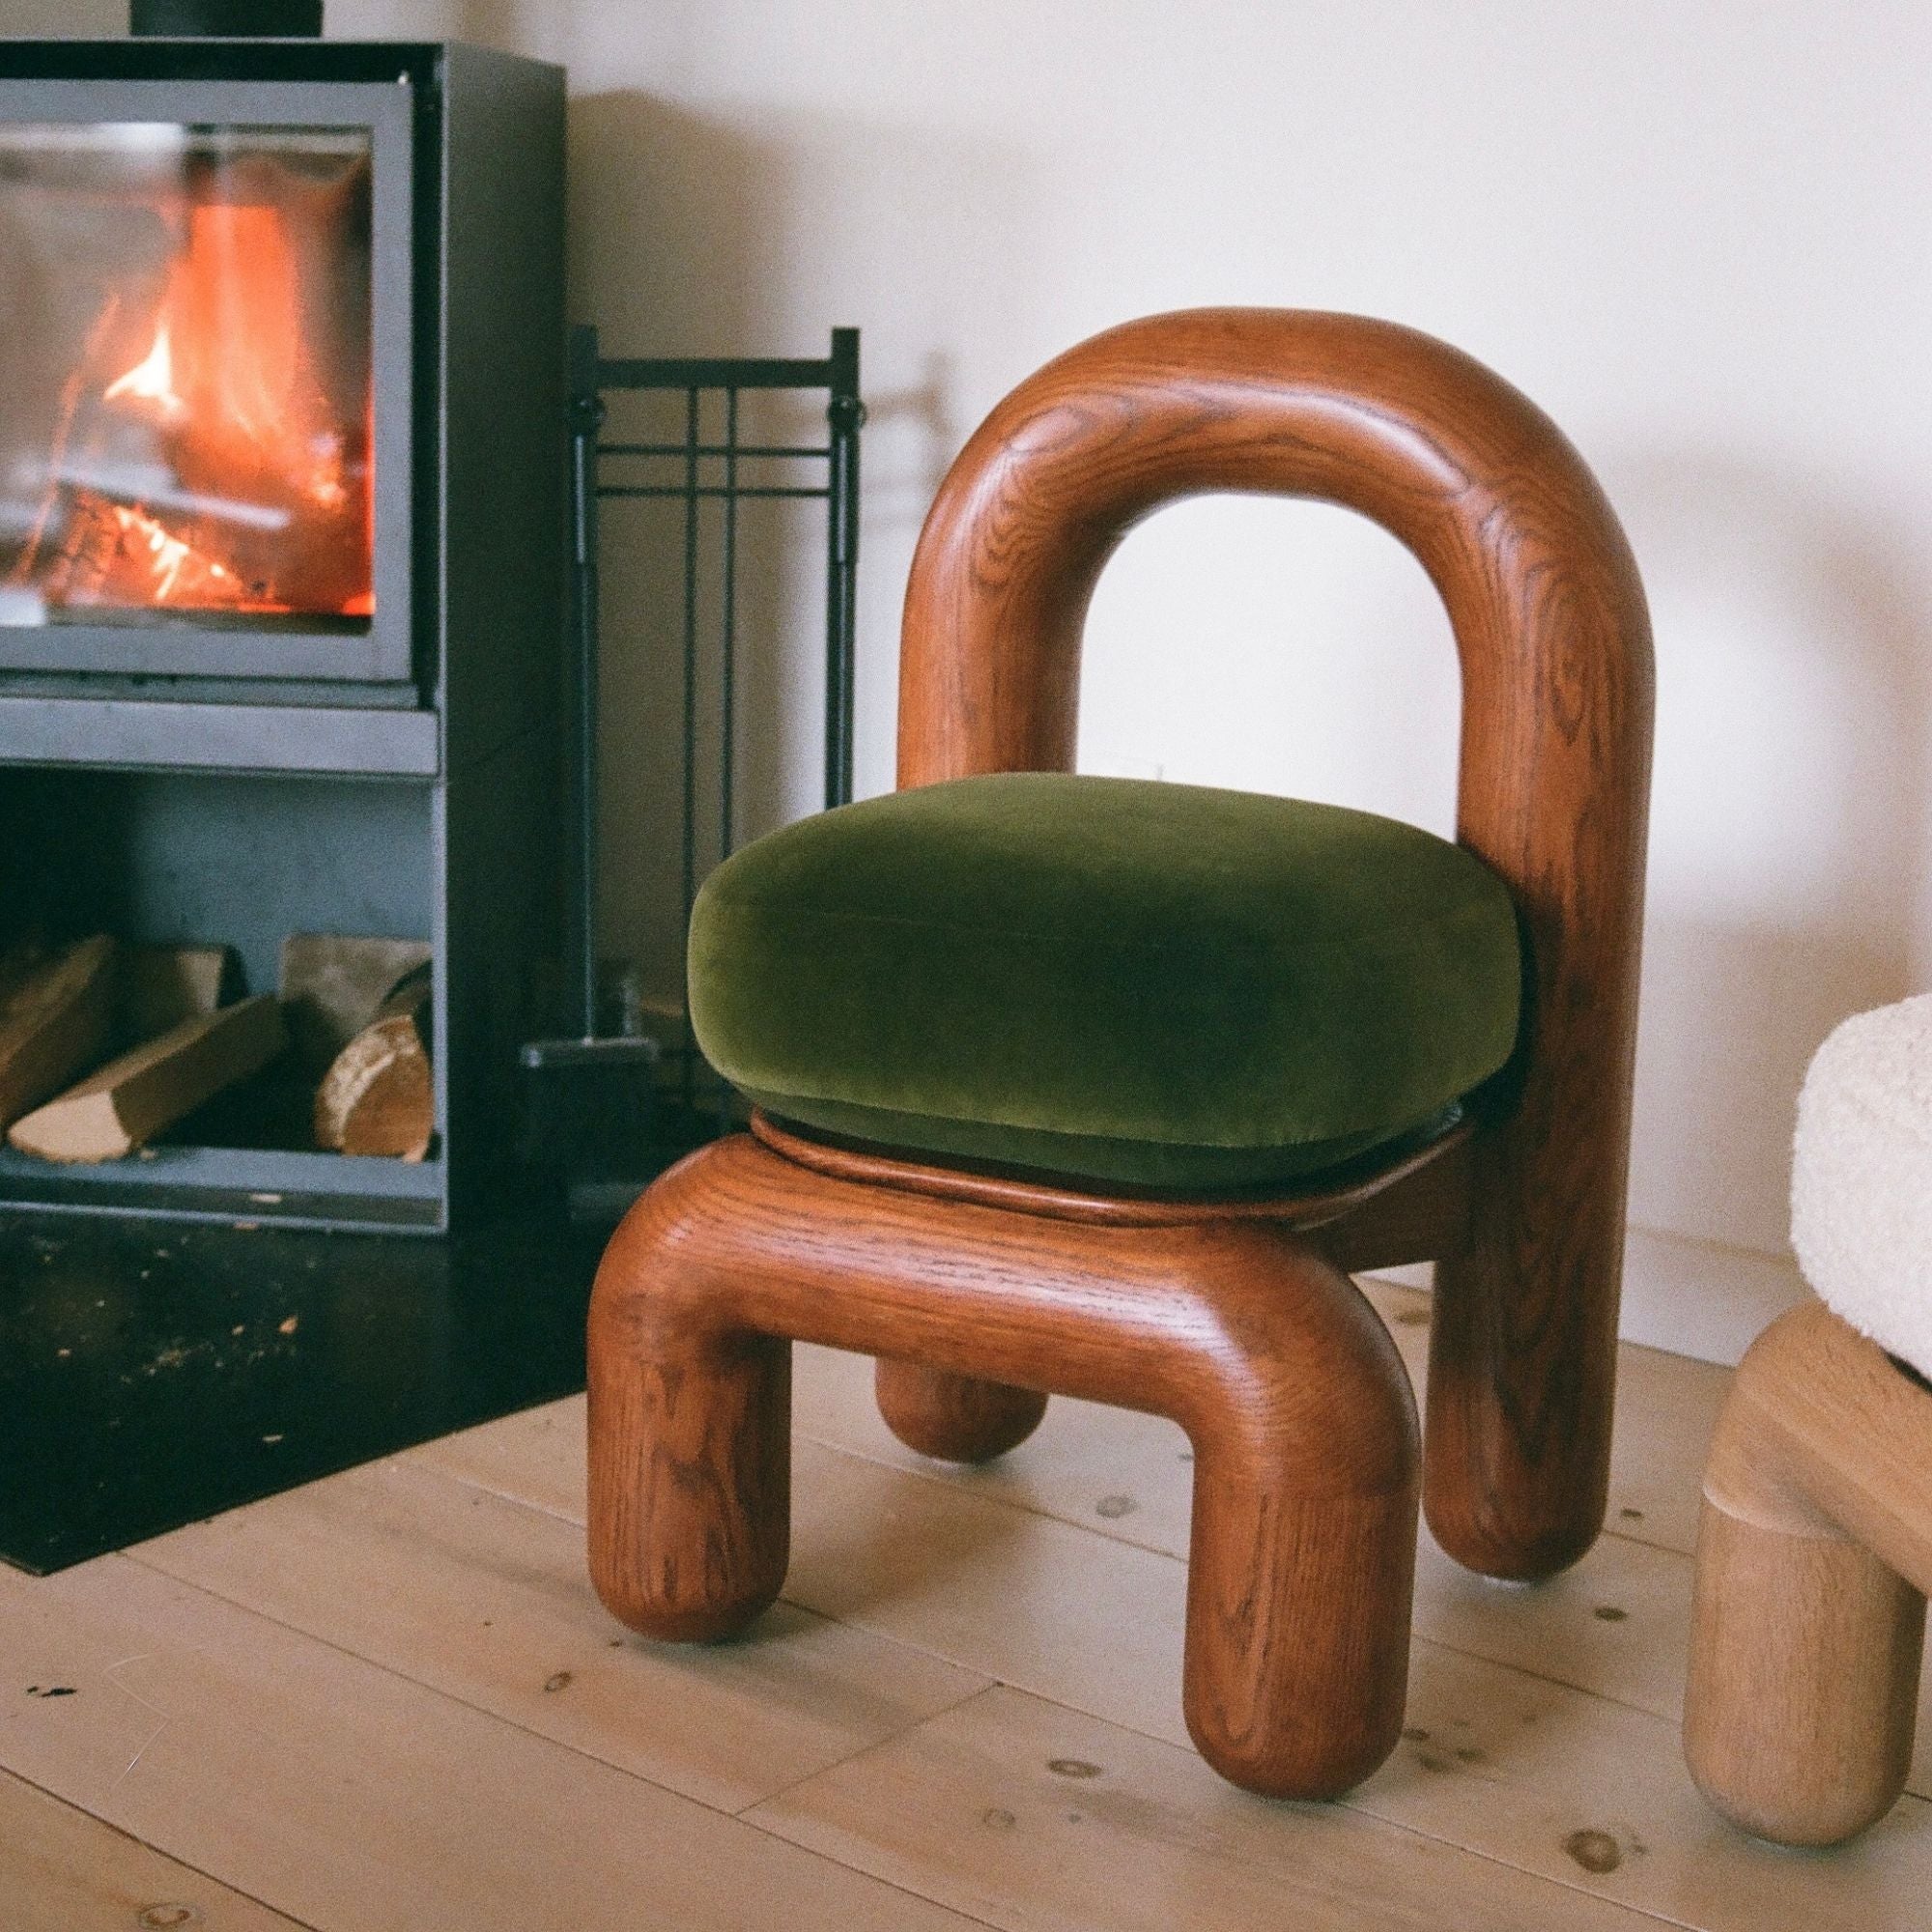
x=152, y=378
x=267, y=507
x=230, y=362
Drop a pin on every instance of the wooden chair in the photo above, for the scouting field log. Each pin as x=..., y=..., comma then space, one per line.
x=1235, y=1316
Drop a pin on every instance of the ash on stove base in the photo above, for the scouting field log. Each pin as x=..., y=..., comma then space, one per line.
x=153, y=1375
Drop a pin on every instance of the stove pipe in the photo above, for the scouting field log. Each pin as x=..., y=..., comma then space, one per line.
x=225, y=19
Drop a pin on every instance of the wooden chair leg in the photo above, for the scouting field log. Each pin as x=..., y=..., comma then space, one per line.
x=1523, y=1355
x=1812, y=1560
x=1804, y=1683
x=1297, y=1627
x=1306, y=1458
x=955, y=1418
x=689, y=1430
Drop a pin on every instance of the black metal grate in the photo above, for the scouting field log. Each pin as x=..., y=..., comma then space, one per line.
x=694, y=470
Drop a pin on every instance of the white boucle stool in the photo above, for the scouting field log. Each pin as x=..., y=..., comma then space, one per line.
x=1815, y=1549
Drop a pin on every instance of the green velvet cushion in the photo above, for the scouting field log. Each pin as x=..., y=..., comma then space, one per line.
x=1153, y=985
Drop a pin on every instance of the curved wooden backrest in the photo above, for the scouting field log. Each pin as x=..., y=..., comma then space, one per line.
x=1553, y=789
x=1528, y=557
x=1540, y=585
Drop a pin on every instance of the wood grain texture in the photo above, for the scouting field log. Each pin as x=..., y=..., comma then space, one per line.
x=63, y=1871
x=304, y=1781
x=1616, y=1624
x=123, y=1105
x=55, y=1014
x=1504, y=1761
x=1666, y=1406
x=1554, y=638
x=1304, y=1427
x=378, y=1095
x=484, y=1600
x=1409, y=1212
x=1512, y=1764
x=351, y=1798
x=1814, y=1564
x=1033, y=1816
x=1402, y=1209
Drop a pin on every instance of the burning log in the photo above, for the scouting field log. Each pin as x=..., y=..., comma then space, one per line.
x=226, y=466
x=55, y=1011
x=229, y=388
x=132, y=1098
x=113, y=554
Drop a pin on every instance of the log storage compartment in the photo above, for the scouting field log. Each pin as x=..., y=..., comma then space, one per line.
x=268, y=870
x=282, y=542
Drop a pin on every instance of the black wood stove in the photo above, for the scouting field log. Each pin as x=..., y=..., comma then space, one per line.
x=282, y=551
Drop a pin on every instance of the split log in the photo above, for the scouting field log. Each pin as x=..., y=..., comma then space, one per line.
x=331, y=984
x=55, y=1011
x=379, y=1095
x=130, y=1099
x=163, y=985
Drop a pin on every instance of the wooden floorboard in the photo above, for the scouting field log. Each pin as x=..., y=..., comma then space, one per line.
x=1029, y=1815
x=390, y=1699
x=62, y=1870
x=485, y=1599
x=1617, y=1624
x=357, y=1801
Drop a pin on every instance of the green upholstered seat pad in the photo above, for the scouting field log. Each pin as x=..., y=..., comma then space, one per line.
x=1146, y=983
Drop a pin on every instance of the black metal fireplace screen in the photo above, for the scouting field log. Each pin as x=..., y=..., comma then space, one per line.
x=712, y=464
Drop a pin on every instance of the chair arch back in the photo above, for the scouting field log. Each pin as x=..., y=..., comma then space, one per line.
x=1553, y=641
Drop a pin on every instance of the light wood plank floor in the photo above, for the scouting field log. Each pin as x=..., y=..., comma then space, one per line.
x=389, y=1701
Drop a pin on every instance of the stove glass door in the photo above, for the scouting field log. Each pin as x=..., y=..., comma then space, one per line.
x=203, y=386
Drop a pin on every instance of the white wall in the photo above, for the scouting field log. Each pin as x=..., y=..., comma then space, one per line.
x=1695, y=233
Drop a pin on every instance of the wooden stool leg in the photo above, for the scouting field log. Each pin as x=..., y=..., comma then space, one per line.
x=689, y=1461
x=1302, y=1566
x=1803, y=1682
x=955, y=1418
x=1813, y=1554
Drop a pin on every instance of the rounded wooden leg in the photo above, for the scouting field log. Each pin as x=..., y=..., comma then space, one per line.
x=1812, y=1559
x=955, y=1418
x=690, y=1462
x=1303, y=1564
x=1522, y=1363
x=1803, y=1682
x=1297, y=1634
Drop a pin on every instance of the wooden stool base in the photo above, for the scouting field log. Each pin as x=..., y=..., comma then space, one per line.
x=1813, y=1554
x=1302, y=1420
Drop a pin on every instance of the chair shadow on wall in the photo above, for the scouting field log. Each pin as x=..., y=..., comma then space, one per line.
x=690, y=235
x=1798, y=808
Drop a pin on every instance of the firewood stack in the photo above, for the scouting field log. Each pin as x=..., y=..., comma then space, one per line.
x=105, y=1046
